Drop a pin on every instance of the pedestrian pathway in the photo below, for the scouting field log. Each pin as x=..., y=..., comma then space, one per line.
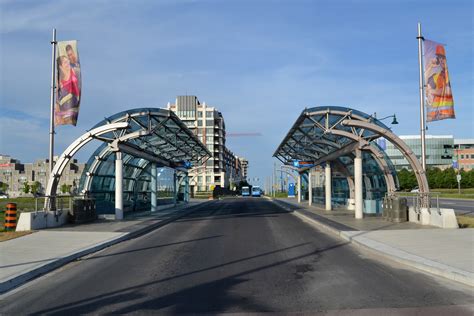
x=24, y=258
x=444, y=252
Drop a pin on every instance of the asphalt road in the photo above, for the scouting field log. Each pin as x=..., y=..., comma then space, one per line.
x=237, y=255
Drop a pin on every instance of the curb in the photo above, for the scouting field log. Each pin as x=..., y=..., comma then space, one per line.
x=388, y=252
x=19, y=280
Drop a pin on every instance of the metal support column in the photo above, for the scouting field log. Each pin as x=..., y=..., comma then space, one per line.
x=299, y=187
x=328, y=186
x=175, y=188
x=153, y=188
x=359, y=202
x=186, y=188
x=118, y=185
x=310, y=187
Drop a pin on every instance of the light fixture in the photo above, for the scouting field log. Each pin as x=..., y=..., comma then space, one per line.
x=394, y=122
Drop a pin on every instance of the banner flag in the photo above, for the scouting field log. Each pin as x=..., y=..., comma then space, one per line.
x=439, y=98
x=68, y=83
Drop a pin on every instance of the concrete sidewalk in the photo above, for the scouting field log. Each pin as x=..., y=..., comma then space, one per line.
x=444, y=252
x=27, y=257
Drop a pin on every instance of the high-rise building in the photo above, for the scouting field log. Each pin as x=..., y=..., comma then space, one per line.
x=208, y=125
x=245, y=166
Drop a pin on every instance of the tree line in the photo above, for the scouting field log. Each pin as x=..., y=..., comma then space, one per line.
x=437, y=179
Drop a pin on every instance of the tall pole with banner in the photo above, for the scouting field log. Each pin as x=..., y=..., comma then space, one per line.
x=51, y=126
x=422, y=97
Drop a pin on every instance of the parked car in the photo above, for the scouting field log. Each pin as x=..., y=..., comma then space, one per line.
x=415, y=190
x=3, y=196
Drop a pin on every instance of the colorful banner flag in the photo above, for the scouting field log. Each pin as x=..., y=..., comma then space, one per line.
x=439, y=98
x=68, y=84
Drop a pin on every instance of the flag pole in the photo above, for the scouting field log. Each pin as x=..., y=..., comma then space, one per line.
x=51, y=127
x=422, y=97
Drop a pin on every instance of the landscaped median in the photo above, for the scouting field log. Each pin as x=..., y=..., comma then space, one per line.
x=467, y=194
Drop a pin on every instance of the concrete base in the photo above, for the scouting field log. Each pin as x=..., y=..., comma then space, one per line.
x=40, y=220
x=425, y=217
x=351, y=204
x=444, y=218
x=413, y=216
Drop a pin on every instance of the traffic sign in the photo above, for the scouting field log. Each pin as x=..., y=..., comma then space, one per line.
x=302, y=164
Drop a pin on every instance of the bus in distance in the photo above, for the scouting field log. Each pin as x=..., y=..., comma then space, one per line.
x=256, y=191
x=245, y=191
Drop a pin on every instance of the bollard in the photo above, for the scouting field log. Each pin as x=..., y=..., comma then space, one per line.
x=10, y=217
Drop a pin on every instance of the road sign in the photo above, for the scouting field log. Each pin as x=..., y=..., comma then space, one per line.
x=302, y=164
x=458, y=177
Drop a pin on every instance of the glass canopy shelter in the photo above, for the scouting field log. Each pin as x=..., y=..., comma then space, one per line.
x=335, y=149
x=142, y=162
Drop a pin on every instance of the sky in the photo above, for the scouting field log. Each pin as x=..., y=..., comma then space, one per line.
x=259, y=62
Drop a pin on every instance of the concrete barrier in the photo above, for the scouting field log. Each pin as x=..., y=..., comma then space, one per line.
x=351, y=204
x=40, y=220
x=443, y=217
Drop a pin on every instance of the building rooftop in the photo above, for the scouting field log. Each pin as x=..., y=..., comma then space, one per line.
x=426, y=136
x=464, y=141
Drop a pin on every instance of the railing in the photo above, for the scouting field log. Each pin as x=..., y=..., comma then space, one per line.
x=424, y=200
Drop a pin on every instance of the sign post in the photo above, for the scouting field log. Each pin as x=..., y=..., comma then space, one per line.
x=458, y=178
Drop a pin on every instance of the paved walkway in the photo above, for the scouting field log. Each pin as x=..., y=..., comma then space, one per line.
x=445, y=252
x=27, y=257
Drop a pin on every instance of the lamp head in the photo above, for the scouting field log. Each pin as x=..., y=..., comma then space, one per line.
x=394, y=122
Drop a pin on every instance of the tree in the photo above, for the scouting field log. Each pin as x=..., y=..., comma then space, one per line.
x=448, y=179
x=407, y=179
x=242, y=183
x=26, y=188
x=435, y=177
x=3, y=187
x=65, y=188
x=35, y=187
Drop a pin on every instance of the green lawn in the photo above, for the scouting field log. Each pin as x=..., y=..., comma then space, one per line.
x=26, y=204
x=448, y=193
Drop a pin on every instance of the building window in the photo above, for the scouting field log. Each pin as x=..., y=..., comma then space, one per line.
x=472, y=156
x=199, y=122
x=208, y=179
x=209, y=122
x=209, y=114
x=199, y=179
x=462, y=156
x=199, y=113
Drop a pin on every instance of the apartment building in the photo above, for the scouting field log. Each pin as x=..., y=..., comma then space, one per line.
x=224, y=168
x=14, y=174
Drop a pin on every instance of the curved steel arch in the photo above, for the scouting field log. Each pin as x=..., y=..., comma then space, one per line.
x=377, y=155
x=406, y=151
x=69, y=153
